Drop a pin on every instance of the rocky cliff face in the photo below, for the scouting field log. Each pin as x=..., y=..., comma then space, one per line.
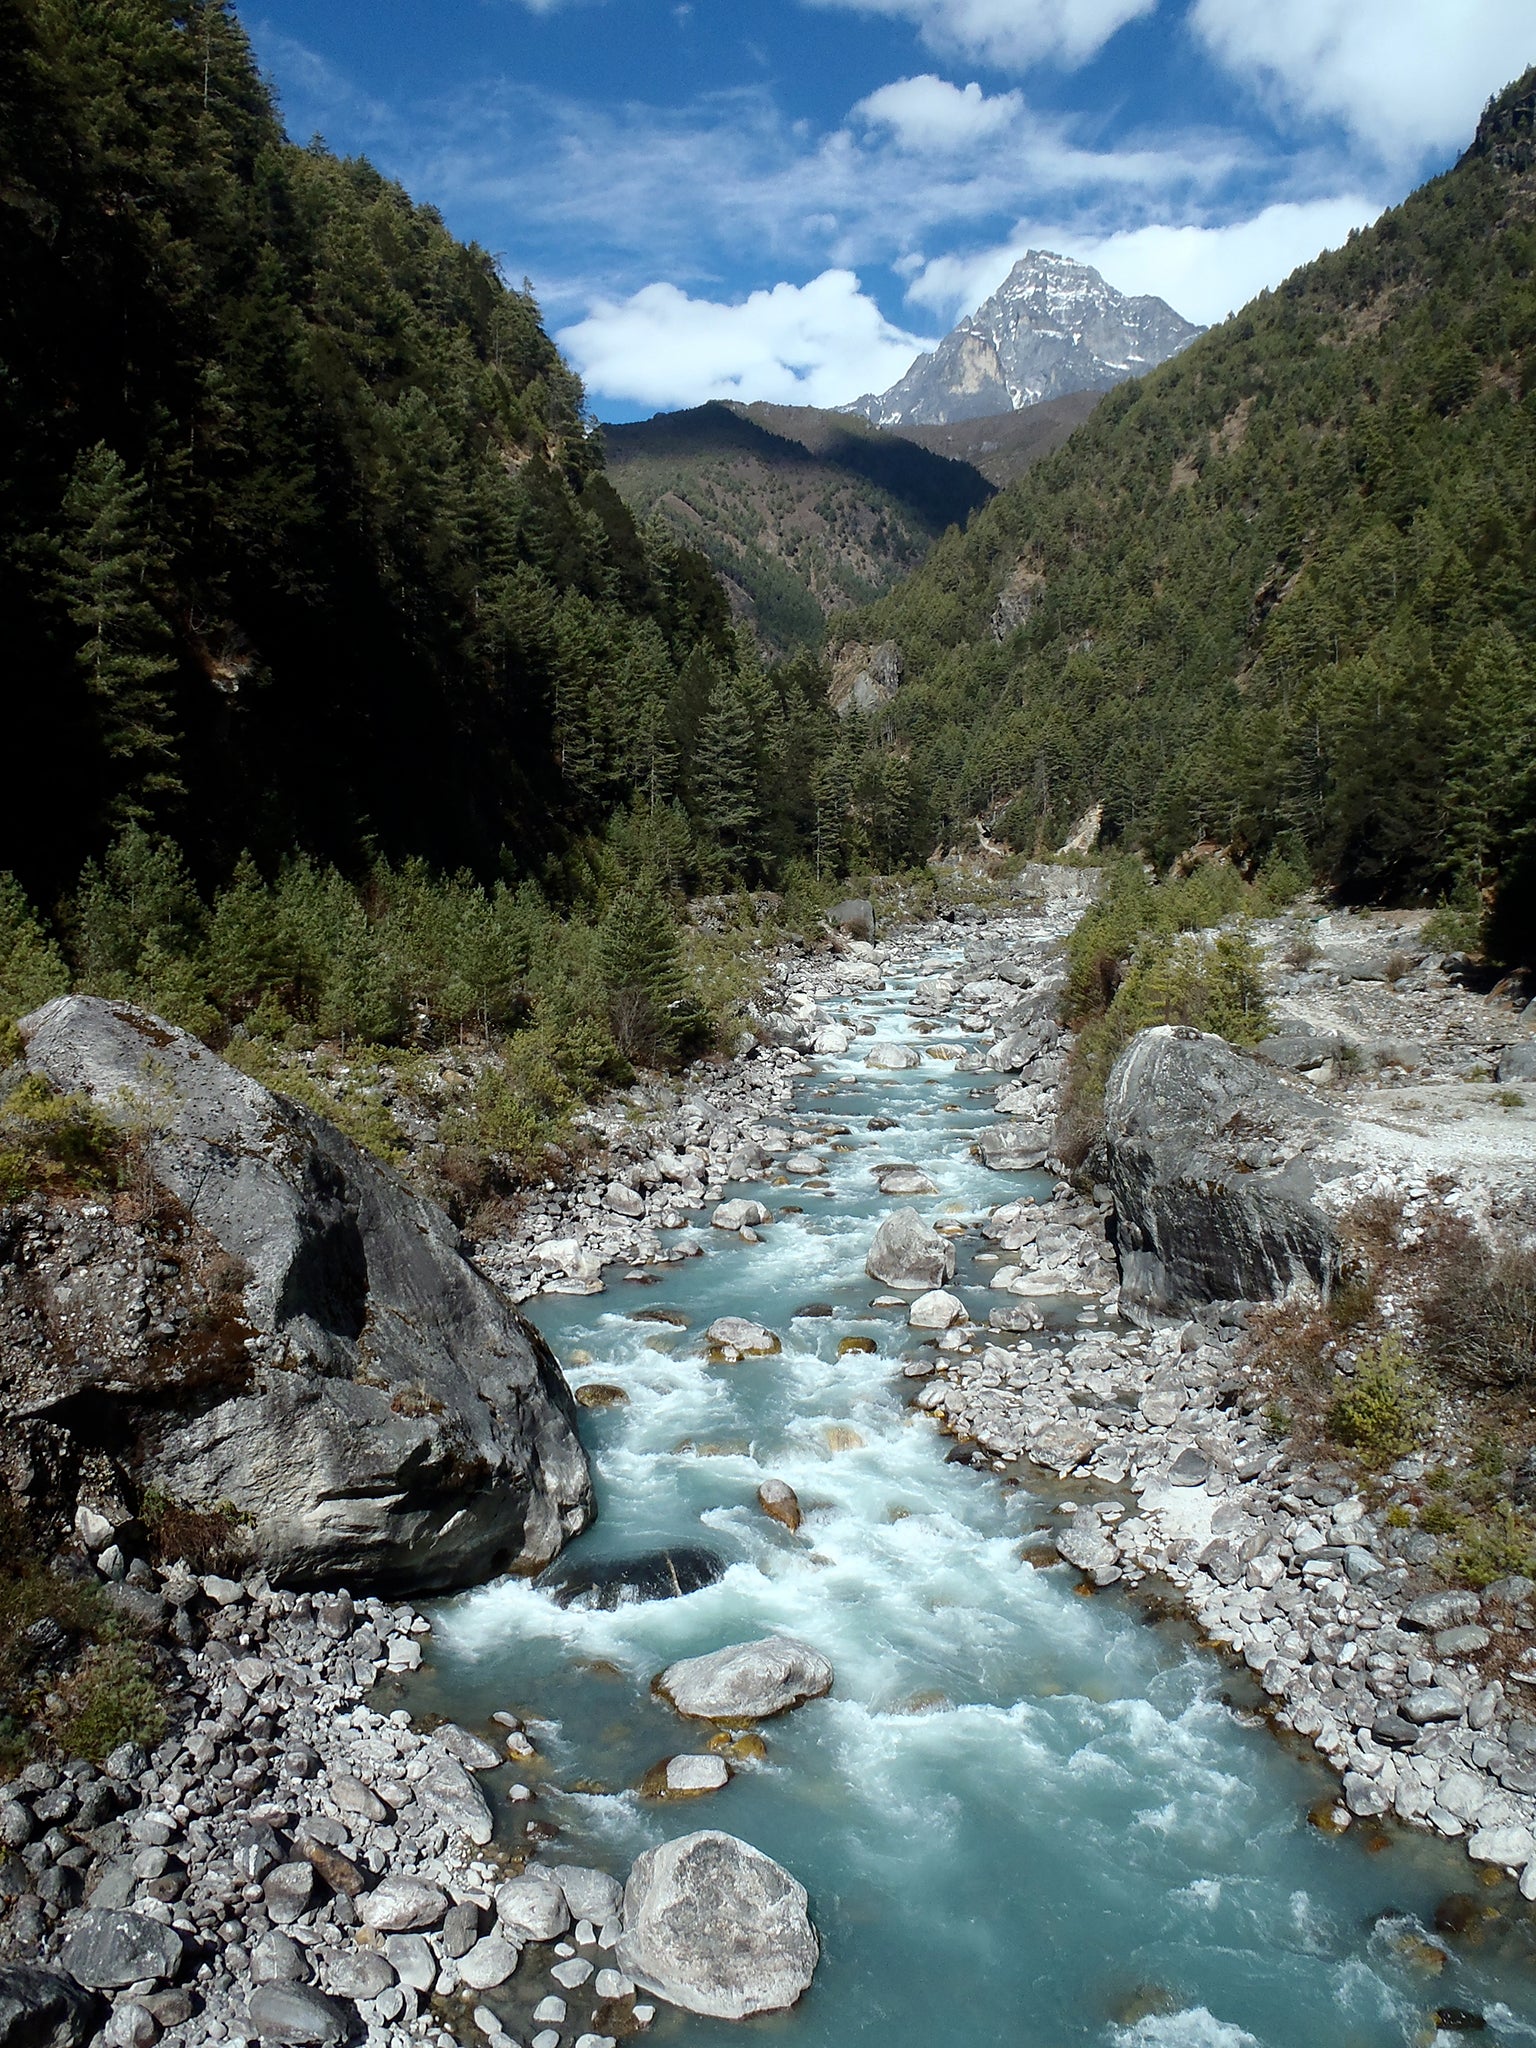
x=1052, y=327
x=274, y=1324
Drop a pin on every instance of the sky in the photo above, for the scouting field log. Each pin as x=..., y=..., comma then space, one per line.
x=789, y=199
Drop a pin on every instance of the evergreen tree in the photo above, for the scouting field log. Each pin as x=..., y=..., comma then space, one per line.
x=640, y=961
x=724, y=774
x=32, y=969
x=125, y=655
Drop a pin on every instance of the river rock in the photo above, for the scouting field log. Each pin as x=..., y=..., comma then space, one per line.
x=890, y=1056
x=686, y=1775
x=533, y=1907
x=1013, y=1148
x=739, y=1215
x=1432, y=1612
x=1192, y=1134
x=1518, y=1062
x=297, y=2016
x=937, y=1310
x=907, y=1253
x=356, y=1973
x=855, y=916
x=490, y=1962
x=905, y=1180
x=779, y=1501
x=42, y=2009
x=714, y=1926
x=453, y=1796
x=591, y=1894
x=401, y=1904
x=739, y=1338
x=831, y=1039
x=472, y=1751
x=375, y=1408
x=748, y=1681
x=106, y=1950
x=627, y=1581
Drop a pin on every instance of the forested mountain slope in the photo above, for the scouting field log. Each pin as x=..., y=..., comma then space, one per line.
x=1282, y=591
x=803, y=512
x=304, y=540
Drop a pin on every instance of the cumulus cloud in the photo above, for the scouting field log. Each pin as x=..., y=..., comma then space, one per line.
x=1011, y=33
x=929, y=113
x=821, y=343
x=1406, y=76
x=1203, y=272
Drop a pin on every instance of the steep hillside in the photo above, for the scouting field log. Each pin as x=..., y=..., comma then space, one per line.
x=1003, y=445
x=1053, y=326
x=1282, y=592
x=304, y=542
x=803, y=512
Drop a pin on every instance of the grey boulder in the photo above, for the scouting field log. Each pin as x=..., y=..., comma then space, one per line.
x=714, y=1926
x=746, y=1682
x=41, y=2009
x=106, y=1949
x=532, y=1906
x=297, y=2016
x=855, y=915
x=591, y=1894
x=907, y=1253
x=1207, y=1154
x=1013, y=1147
x=1518, y=1062
x=382, y=1414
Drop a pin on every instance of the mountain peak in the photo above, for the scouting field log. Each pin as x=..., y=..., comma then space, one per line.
x=1052, y=326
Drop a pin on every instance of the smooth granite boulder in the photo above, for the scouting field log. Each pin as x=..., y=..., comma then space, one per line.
x=748, y=1681
x=382, y=1415
x=716, y=1927
x=907, y=1253
x=298, y=2016
x=1213, y=1163
x=627, y=1581
x=591, y=1894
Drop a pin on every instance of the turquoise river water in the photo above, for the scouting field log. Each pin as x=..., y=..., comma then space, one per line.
x=1024, y=1817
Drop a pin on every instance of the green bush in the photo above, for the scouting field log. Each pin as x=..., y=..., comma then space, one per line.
x=53, y=1141
x=110, y=1697
x=1495, y=1545
x=1383, y=1412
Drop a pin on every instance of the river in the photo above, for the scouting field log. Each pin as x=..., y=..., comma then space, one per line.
x=1024, y=1817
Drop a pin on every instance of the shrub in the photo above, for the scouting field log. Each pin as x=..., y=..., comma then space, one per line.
x=1383, y=1413
x=53, y=1141
x=1496, y=1547
x=1480, y=1315
x=1452, y=929
x=110, y=1697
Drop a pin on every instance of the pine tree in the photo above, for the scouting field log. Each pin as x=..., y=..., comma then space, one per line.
x=725, y=777
x=640, y=961
x=125, y=656
x=32, y=969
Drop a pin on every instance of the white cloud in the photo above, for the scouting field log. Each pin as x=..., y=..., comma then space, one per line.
x=1406, y=76
x=821, y=343
x=1012, y=33
x=929, y=113
x=1202, y=272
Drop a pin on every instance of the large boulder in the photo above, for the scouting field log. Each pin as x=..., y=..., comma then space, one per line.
x=106, y=1949
x=1009, y=1147
x=627, y=1581
x=748, y=1681
x=1211, y=1161
x=907, y=1253
x=855, y=916
x=713, y=1925
x=41, y=2009
x=375, y=1410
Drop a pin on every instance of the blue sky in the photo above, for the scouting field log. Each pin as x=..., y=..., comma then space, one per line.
x=787, y=199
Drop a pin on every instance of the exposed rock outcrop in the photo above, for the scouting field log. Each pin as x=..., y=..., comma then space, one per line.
x=372, y=1408
x=864, y=678
x=1211, y=1162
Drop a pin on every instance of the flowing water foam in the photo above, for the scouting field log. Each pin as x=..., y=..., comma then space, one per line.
x=1023, y=1817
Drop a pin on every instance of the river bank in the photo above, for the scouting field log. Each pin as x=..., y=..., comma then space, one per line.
x=1163, y=1473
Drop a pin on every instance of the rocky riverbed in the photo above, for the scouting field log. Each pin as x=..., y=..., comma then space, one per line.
x=243, y=1872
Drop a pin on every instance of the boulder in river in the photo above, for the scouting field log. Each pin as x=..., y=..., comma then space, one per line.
x=736, y=1337
x=629, y=1581
x=748, y=1681
x=779, y=1501
x=937, y=1310
x=904, y=1180
x=1009, y=1147
x=907, y=1253
x=713, y=1925
x=1207, y=1154
x=375, y=1409
x=890, y=1056
x=740, y=1214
